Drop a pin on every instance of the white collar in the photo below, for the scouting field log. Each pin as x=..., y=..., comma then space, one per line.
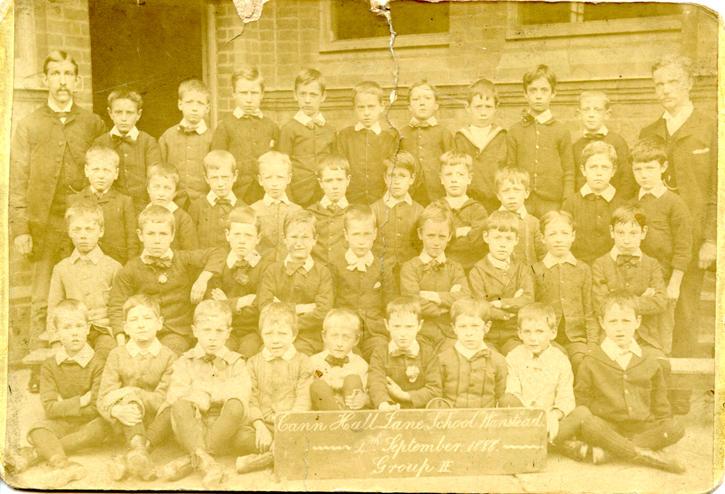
x=307, y=265
x=521, y=212
x=81, y=358
x=457, y=202
x=361, y=263
x=95, y=255
x=134, y=350
x=614, y=253
x=325, y=353
x=414, y=349
x=613, y=351
x=601, y=130
x=674, y=122
x=431, y=121
x=502, y=265
x=68, y=106
x=607, y=194
x=469, y=354
x=199, y=128
x=551, y=261
x=239, y=113
x=543, y=117
x=657, y=191
x=530, y=355
x=391, y=201
x=252, y=258
x=305, y=119
x=342, y=203
x=480, y=136
x=171, y=206
x=269, y=201
x=425, y=258
x=376, y=128
x=211, y=198
x=288, y=354
x=98, y=192
x=132, y=134
x=223, y=353
x=169, y=254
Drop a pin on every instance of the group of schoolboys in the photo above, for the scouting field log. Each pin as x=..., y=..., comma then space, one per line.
x=242, y=302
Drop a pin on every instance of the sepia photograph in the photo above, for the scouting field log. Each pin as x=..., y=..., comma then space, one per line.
x=360, y=245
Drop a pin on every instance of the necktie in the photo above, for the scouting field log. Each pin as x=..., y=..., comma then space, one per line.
x=421, y=124
x=594, y=135
x=61, y=114
x=482, y=353
x=293, y=266
x=187, y=130
x=402, y=353
x=434, y=265
x=626, y=260
x=209, y=358
x=240, y=271
x=253, y=114
x=527, y=118
x=334, y=208
x=223, y=203
x=120, y=139
x=161, y=262
x=337, y=361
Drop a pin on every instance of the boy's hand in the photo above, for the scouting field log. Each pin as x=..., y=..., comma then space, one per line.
x=649, y=292
x=304, y=308
x=245, y=301
x=496, y=304
x=200, y=398
x=24, y=244
x=356, y=400
x=198, y=289
x=86, y=399
x=673, y=291
x=396, y=391
x=518, y=293
x=386, y=406
x=263, y=438
x=430, y=296
x=218, y=294
x=127, y=414
x=707, y=254
x=121, y=339
x=552, y=424
x=462, y=231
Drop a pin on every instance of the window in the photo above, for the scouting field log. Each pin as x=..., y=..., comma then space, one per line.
x=552, y=13
x=409, y=17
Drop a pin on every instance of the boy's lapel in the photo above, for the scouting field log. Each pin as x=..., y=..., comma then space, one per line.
x=499, y=275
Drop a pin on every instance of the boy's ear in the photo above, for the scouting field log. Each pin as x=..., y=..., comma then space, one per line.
x=100, y=235
x=138, y=234
x=420, y=234
x=644, y=232
x=607, y=113
x=485, y=236
x=140, y=111
x=226, y=234
x=324, y=97
x=259, y=180
x=573, y=234
x=639, y=321
x=108, y=109
x=665, y=165
x=611, y=231
x=178, y=104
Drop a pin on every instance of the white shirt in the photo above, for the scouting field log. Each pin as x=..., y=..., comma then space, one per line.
x=270, y=201
x=376, y=128
x=621, y=356
x=601, y=130
x=544, y=117
x=199, y=128
x=342, y=203
x=81, y=358
x=607, y=194
x=211, y=198
x=360, y=263
x=521, y=212
x=132, y=134
x=307, y=265
x=674, y=122
x=657, y=191
x=480, y=136
x=169, y=254
x=288, y=354
x=68, y=106
x=431, y=121
x=95, y=255
x=614, y=253
x=134, y=350
x=467, y=353
x=239, y=113
x=457, y=202
x=414, y=348
x=252, y=258
x=551, y=261
x=305, y=119
x=391, y=201
x=425, y=258
x=502, y=265
x=170, y=205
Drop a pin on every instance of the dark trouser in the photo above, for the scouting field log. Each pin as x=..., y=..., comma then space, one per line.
x=687, y=311
x=623, y=439
x=503, y=340
x=55, y=438
x=324, y=397
x=222, y=434
x=539, y=206
x=156, y=432
x=569, y=426
x=309, y=343
x=101, y=342
x=176, y=342
x=247, y=345
x=370, y=343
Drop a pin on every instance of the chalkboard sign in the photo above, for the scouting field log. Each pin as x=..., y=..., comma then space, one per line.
x=409, y=443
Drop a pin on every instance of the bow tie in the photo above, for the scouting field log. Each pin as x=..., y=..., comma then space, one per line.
x=162, y=262
x=627, y=260
x=527, y=118
x=239, y=272
x=334, y=208
x=223, y=202
x=419, y=124
x=402, y=353
x=187, y=130
x=61, y=114
x=434, y=265
x=594, y=135
x=255, y=114
x=120, y=139
x=209, y=358
x=337, y=361
x=359, y=265
x=482, y=353
x=293, y=266
x=315, y=121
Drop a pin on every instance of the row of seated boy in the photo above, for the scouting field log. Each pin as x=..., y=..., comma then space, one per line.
x=215, y=403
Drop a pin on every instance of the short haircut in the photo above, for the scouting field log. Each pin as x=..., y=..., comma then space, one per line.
x=69, y=307
x=404, y=160
x=193, y=85
x=84, y=209
x=683, y=62
x=436, y=212
x=594, y=94
x=651, y=148
x=628, y=214
x=502, y=221
x=540, y=72
x=404, y=305
x=512, y=174
x=333, y=162
x=248, y=73
x=278, y=313
x=359, y=212
x=454, y=158
x=554, y=215
x=276, y=158
x=342, y=318
x=536, y=312
x=622, y=298
x=244, y=215
x=154, y=213
x=422, y=83
x=212, y=308
x=599, y=147
x=367, y=87
x=308, y=76
x=482, y=88
x=300, y=217
x=218, y=158
x=163, y=170
x=471, y=307
x=128, y=94
x=141, y=299
x=104, y=154
x=59, y=56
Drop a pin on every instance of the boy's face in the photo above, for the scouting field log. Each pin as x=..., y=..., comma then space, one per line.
x=627, y=236
x=61, y=80
x=242, y=238
x=194, y=105
x=247, y=95
x=620, y=324
x=593, y=112
x=648, y=174
x=403, y=328
x=156, y=237
x=299, y=240
x=142, y=324
x=435, y=236
x=334, y=183
x=124, y=114
x=277, y=338
x=398, y=181
x=536, y=334
x=512, y=195
x=500, y=244
x=558, y=237
x=482, y=109
x=368, y=109
x=161, y=189
x=84, y=232
x=539, y=95
x=360, y=235
x=422, y=103
x=339, y=340
x=309, y=97
x=455, y=179
x=470, y=330
x=274, y=179
x=212, y=332
x=221, y=180
x=672, y=87
x=101, y=175
x=72, y=331
x=598, y=170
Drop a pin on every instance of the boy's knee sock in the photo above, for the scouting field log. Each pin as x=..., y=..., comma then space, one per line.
x=91, y=434
x=323, y=396
x=46, y=444
x=661, y=435
x=160, y=428
x=225, y=427
x=187, y=428
x=599, y=433
x=570, y=425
